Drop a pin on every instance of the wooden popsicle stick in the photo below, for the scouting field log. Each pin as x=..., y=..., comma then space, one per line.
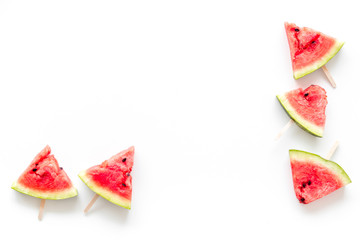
x=332, y=150
x=284, y=129
x=93, y=200
x=41, y=210
x=329, y=77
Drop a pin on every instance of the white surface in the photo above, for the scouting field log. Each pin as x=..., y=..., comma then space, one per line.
x=192, y=85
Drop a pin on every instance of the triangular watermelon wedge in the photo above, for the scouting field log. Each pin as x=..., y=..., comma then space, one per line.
x=315, y=177
x=45, y=179
x=111, y=179
x=306, y=108
x=309, y=49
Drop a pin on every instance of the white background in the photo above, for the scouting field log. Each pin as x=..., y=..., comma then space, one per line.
x=191, y=84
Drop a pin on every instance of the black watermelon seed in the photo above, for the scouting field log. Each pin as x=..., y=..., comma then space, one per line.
x=304, y=185
x=124, y=160
x=124, y=185
x=306, y=94
x=309, y=182
x=296, y=29
x=127, y=174
x=313, y=42
x=34, y=169
x=302, y=200
x=61, y=168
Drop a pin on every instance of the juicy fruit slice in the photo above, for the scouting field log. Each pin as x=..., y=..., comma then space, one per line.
x=306, y=108
x=309, y=49
x=112, y=179
x=43, y=178
x=315, y=177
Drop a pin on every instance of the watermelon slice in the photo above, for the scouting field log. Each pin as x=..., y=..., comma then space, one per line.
x=112, y=179
x=315, y=177
x=309, y=49
x=44, y=179
x=306, y=108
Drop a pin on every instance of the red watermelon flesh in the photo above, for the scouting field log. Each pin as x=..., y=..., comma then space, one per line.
x=315, y=177
x=309, y=49
x=44, y=178
x=112, y=179
x=306, y=108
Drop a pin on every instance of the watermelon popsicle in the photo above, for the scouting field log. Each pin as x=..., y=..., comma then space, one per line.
x=310, y=50
x=111, y=179
x=45, y=179
x=315, y=177
x=306, y=108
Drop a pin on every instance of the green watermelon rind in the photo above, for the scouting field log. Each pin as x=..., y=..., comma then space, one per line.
x=108, y=195
x=51, y=195
x=321, y=62
x=302, y=156
x=299, y=120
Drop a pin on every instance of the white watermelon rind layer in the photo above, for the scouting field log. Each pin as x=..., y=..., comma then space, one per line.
x=108, y=195
x=51, y=195
x=321, y=62
x=302, y=122
x=302, y=156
